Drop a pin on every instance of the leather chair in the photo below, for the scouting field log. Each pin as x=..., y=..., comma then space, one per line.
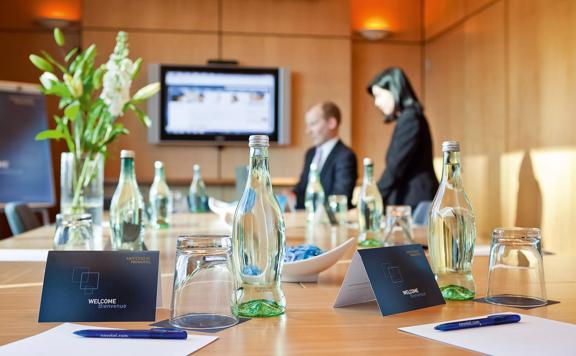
x=21, y=218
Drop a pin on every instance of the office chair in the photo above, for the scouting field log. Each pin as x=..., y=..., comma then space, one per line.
x=21, y=218
x=421, y=213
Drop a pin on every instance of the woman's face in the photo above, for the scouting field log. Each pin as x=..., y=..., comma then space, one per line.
x=383, y=100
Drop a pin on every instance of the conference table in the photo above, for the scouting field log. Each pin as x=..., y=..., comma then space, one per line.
x=310, y=326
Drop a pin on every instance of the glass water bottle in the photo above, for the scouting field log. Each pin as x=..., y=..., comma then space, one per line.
x=314, y=200
x=370, y=207
x=127, y=208
x=258, y=239
x=452, y=230
x=197, y=197
x=160, y=198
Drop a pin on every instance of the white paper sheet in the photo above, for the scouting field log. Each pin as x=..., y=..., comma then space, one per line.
x=61, y=341
x=23, y=255
x=530, y=336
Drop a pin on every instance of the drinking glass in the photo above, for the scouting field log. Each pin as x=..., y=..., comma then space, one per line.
x=516, y=269
x=73, y=232
x=338, y=204
x=203, y=284
x=398, y=230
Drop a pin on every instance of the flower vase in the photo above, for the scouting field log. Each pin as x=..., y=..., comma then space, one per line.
x=82, y=187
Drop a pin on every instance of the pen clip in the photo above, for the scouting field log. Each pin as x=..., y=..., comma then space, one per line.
x=501, y=317
x=166, y=330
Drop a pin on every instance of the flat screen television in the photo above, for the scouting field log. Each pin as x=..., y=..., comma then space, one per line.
x=219, y=104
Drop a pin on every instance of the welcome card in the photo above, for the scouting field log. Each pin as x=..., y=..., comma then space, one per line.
x=100, y=286
x=399, y=278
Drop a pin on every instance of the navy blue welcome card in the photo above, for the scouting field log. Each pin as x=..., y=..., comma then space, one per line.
x=99, y=286
x=398, y=277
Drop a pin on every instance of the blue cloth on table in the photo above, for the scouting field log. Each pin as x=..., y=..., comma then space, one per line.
x=301, y=252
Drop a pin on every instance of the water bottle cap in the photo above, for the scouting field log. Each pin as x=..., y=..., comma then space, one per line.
x=196, y=167
x=158, y=164
x=450, y=146
x=367, y=161
x=126, y=154
x=258, y=141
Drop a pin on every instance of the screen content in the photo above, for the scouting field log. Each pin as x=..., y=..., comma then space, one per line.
x=219, y=103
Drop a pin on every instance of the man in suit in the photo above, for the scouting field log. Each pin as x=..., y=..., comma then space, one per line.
x=336, y=161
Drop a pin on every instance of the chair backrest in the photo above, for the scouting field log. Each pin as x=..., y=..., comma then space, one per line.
x=421, y=213
x=241, y=173
x=21, y=218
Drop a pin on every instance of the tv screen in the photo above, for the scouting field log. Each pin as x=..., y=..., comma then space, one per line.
x=220, y=104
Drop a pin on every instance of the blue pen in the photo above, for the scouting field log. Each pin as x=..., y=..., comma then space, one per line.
x=495, y=319
x=156, y=333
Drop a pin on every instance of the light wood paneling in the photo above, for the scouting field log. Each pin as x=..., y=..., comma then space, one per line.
x=158, y=48
x=441, y=14
x=319, y=17
x=475, y=5
x=469, y=62
x=369, y=133
x=321, y=70
x=152, y=14
x=24, y=14
x=403, y=18
x=17, y=46
x=542, y=81
x=485, y=116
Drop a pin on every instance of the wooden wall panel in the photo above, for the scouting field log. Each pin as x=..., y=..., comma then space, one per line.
x=475, y=5
x=20, y=36
x=469, y=62
x=441, y=14
x=24, y=14
x=319, y=17
x=152, y=14
x=170, y=48
x=485, y=116
x=370, y=136
x=542, y=81
x=317, y=75
x=403, y=18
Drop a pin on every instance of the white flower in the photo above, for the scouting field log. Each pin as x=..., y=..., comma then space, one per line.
x=48, y=80
x=117, y=79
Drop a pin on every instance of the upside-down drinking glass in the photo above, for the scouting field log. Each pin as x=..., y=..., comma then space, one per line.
x=203, y=284
x=516, y=269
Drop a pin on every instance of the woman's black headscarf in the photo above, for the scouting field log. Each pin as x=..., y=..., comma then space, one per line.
x=394, y=80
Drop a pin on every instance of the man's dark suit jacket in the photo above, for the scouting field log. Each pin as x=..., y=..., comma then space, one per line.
x=338, y=174
x=409, y=176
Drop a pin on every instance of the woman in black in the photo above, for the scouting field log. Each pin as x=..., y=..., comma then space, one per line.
x=409, y=176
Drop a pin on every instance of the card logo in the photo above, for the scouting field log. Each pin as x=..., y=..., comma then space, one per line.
x=88, y=282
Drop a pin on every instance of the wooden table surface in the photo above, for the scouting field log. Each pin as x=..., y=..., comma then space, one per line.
x=310, y=325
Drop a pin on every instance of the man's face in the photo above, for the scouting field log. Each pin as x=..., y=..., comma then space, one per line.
x=319, y=129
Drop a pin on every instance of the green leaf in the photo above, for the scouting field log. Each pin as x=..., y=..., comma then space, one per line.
x=49, y=134
x=97, y=78
x=141, y=115
x=136, y=68
x=72, y=110
x=53, y=61
x=71, y=54
x=146, y=92
x=41, y=63
x=58, y=37
x=89, y=53
x=59, y=89
x=74, y=85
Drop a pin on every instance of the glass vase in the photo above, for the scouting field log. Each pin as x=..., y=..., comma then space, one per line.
x=82, y=186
